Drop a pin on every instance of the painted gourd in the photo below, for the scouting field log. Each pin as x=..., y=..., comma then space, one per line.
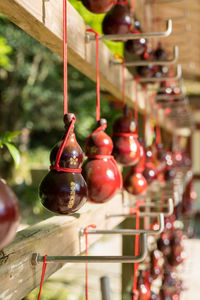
x=65, y=192
x=99, y=6
x=118, y=20
x=126, y=146
x=100, y=169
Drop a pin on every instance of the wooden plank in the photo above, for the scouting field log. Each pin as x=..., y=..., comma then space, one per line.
x=56, y=236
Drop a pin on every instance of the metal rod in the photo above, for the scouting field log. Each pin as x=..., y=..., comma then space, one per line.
x=132, y=36
x=105, y=288
x=169, y=97
x=159, y=79
x=37, y=258
x=162, y=2
x=161, y=223
x=152, y=62
x=169, y=212
x=175, y=18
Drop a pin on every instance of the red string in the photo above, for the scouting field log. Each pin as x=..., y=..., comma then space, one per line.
x=145, y=111
x=133, y=6
x=86, y=253
x=135, y=266
x=42, y=276
x=117, y=56
x=56, y=166
x=158, y=131
x=98, y=108
x=65, y=84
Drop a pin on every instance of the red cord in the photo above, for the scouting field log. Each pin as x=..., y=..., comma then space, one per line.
x=158, y=131
x=117, y=56
x=145, y=111
x=42, y=276
x=135, y=266
x=133, y=6
x=65, y=84
x=98, y=108
x=86, y=253
x=56, y=166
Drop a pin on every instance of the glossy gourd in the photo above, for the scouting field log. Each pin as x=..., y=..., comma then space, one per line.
x=99, y=6
x=65, y=192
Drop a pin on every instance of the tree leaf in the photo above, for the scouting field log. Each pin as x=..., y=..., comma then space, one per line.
x=8, y=136
x=14, y=153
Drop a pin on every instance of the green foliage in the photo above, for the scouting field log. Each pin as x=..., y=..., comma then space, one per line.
x=5, y=51
x=5, y=140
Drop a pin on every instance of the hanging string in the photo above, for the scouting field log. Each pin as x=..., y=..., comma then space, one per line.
x=56, y=166
x=137, y=79
x=145, y=111
x=65, y=83
x=42, y=276
x=117, y=56
x=133, y=6
x=98, y=108
x=158, y=130
x=86, y=253
x=136, y=211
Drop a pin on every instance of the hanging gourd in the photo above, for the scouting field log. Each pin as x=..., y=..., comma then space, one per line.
x=156, y=262
x=126, y=146
x=99, y=6
x=100, y=169
x=63, y=190
x=143, y=286
x=136, y=47
x=118, y=20
x=134, y=182
x=9, y=214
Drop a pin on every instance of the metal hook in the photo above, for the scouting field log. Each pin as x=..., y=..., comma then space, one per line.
x=169, y=205
x=169, y=97
x=131, y=36
x=37, y=258
x=158, y=79
x=160, y=217
x=175, y=18
x=162, y=1
x=153, y=62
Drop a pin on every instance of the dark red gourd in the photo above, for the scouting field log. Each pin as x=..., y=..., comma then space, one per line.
x=160, y=53
x=118, y=20
x=99, y=6
x=65, y=192
x=143, y=286
x=147, y=71
x=100, y=169
x=136, y=47
x=135, y=183
x=150, y=171
x=9, y=215
x=126, y=146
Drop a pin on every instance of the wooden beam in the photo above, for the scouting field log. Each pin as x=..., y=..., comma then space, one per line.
x=55, y=236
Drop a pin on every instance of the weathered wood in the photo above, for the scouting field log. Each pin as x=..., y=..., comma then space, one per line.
x=55, y=236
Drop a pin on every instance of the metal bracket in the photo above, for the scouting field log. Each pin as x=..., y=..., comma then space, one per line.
x=169, y=97
x=160, y=217
x=152, y=62
x=131, y=36
x=159, y=79
x=37, y=258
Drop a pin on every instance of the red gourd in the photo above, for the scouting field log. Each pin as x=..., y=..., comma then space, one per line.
x=65, y=191
x=150, y=171
x=99, y=6
x=100, y=169
x=136, y=47
x=143, y=286
x=135, y=183
x=9, y=214
x=126, y=146
x=118, y=20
